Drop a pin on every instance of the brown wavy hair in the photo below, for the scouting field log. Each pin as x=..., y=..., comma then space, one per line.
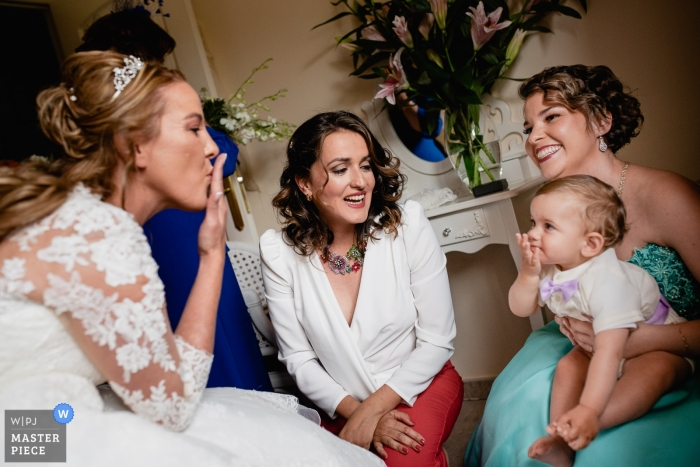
x=593, y=91
x=604, y=212
x=301, y=221
x=82, y=116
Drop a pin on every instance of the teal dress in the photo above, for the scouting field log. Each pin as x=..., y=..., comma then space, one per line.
x=517, y=410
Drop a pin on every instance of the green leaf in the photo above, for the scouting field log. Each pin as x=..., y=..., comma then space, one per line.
x=490, y=58
x=424, y=79
x=548, y=7
x=336, y=17
x=432, y=117
x=371, y=61
x=568, y=11
x=540, y=29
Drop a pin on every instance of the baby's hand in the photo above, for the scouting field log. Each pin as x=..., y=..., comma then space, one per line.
x=578, y=427
x=530, y=256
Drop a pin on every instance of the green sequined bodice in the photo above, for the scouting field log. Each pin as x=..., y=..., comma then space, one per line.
x=675, y=281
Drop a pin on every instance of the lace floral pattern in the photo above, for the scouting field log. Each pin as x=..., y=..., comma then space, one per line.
x=94, y=265
x=11, y=283
x=675, y=281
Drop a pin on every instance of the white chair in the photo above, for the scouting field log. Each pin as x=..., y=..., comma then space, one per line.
x=245, y=259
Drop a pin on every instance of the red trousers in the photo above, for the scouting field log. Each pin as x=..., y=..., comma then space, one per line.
x=434, y=414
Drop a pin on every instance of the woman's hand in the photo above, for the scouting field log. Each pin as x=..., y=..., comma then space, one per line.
x=394, y=430
x=579, y=332
x=212, y=232
x=646, y=338
x=359, y=429
x=363, y=419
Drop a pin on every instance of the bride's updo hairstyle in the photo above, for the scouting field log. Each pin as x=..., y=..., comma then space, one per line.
x=593, y=91
x=301, y=221
x=83, y=116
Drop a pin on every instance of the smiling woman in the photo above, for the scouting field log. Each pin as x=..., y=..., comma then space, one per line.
x=577, y=118
x=368, y=334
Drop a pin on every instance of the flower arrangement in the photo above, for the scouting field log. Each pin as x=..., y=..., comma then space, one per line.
x=241, y=121
x=445, y=52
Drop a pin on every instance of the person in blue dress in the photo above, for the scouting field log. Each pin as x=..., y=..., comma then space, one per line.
x=172, y=233
x=576, y=119
x=410, y=121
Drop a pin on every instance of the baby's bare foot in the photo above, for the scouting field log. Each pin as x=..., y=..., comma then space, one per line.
x=552, y=450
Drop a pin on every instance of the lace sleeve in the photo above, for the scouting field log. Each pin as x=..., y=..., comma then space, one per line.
x=90, y=263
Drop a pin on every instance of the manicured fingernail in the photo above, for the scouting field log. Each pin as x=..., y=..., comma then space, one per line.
x=404, y=451
x=223, y=155
x=218, y=196
x=422, y=442
x=417, y=448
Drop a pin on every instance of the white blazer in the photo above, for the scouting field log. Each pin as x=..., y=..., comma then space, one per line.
x=403, y=328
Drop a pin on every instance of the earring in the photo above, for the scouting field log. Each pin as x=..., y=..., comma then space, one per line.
x=308, y=197
x=601, y=145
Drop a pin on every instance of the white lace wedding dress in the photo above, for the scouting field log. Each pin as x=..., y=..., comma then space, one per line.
x=80, y=304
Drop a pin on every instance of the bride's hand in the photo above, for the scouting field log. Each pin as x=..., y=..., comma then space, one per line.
x=212, y=232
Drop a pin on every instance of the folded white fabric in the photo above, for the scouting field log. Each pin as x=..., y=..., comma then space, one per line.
x=431, y=197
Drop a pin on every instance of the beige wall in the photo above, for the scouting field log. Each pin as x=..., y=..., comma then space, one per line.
x=653, y=49
x=650, y=47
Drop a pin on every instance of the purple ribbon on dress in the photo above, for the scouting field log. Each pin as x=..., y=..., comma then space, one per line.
x=661, y=312
x=567, y=289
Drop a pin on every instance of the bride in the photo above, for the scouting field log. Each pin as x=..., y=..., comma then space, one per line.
x=81, y=302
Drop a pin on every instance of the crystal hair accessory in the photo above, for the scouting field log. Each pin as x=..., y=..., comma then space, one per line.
x=123, y=76
x=72, y=95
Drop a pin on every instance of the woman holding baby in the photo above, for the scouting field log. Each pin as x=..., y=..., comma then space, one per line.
x=576, y=119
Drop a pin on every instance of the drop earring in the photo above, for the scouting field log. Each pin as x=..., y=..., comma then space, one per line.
x=308, y=197
x=602, y=145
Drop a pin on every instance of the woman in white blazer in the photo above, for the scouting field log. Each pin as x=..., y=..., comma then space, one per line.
x=359, y=296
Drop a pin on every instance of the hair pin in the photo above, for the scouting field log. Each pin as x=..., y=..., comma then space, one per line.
x=123, y=76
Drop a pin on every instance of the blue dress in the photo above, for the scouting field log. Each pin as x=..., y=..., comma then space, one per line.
x=517, y=409
x=172, y=235
x=421, y=143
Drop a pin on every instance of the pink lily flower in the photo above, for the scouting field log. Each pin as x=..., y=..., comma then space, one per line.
x=483, y=26
x=402, y=32
x=396, y=80
x=439, y=9
x=426, y=24
x=372, y=34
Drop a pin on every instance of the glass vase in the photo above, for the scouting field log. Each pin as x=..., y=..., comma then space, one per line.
x=474, y=161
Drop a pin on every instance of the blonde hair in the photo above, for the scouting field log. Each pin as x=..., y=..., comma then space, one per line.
x=604, y=212
x=82, y=116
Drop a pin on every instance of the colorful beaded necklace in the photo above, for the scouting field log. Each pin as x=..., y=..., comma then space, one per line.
x=340, y=264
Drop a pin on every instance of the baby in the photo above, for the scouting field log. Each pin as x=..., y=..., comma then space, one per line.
x=569, y=263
